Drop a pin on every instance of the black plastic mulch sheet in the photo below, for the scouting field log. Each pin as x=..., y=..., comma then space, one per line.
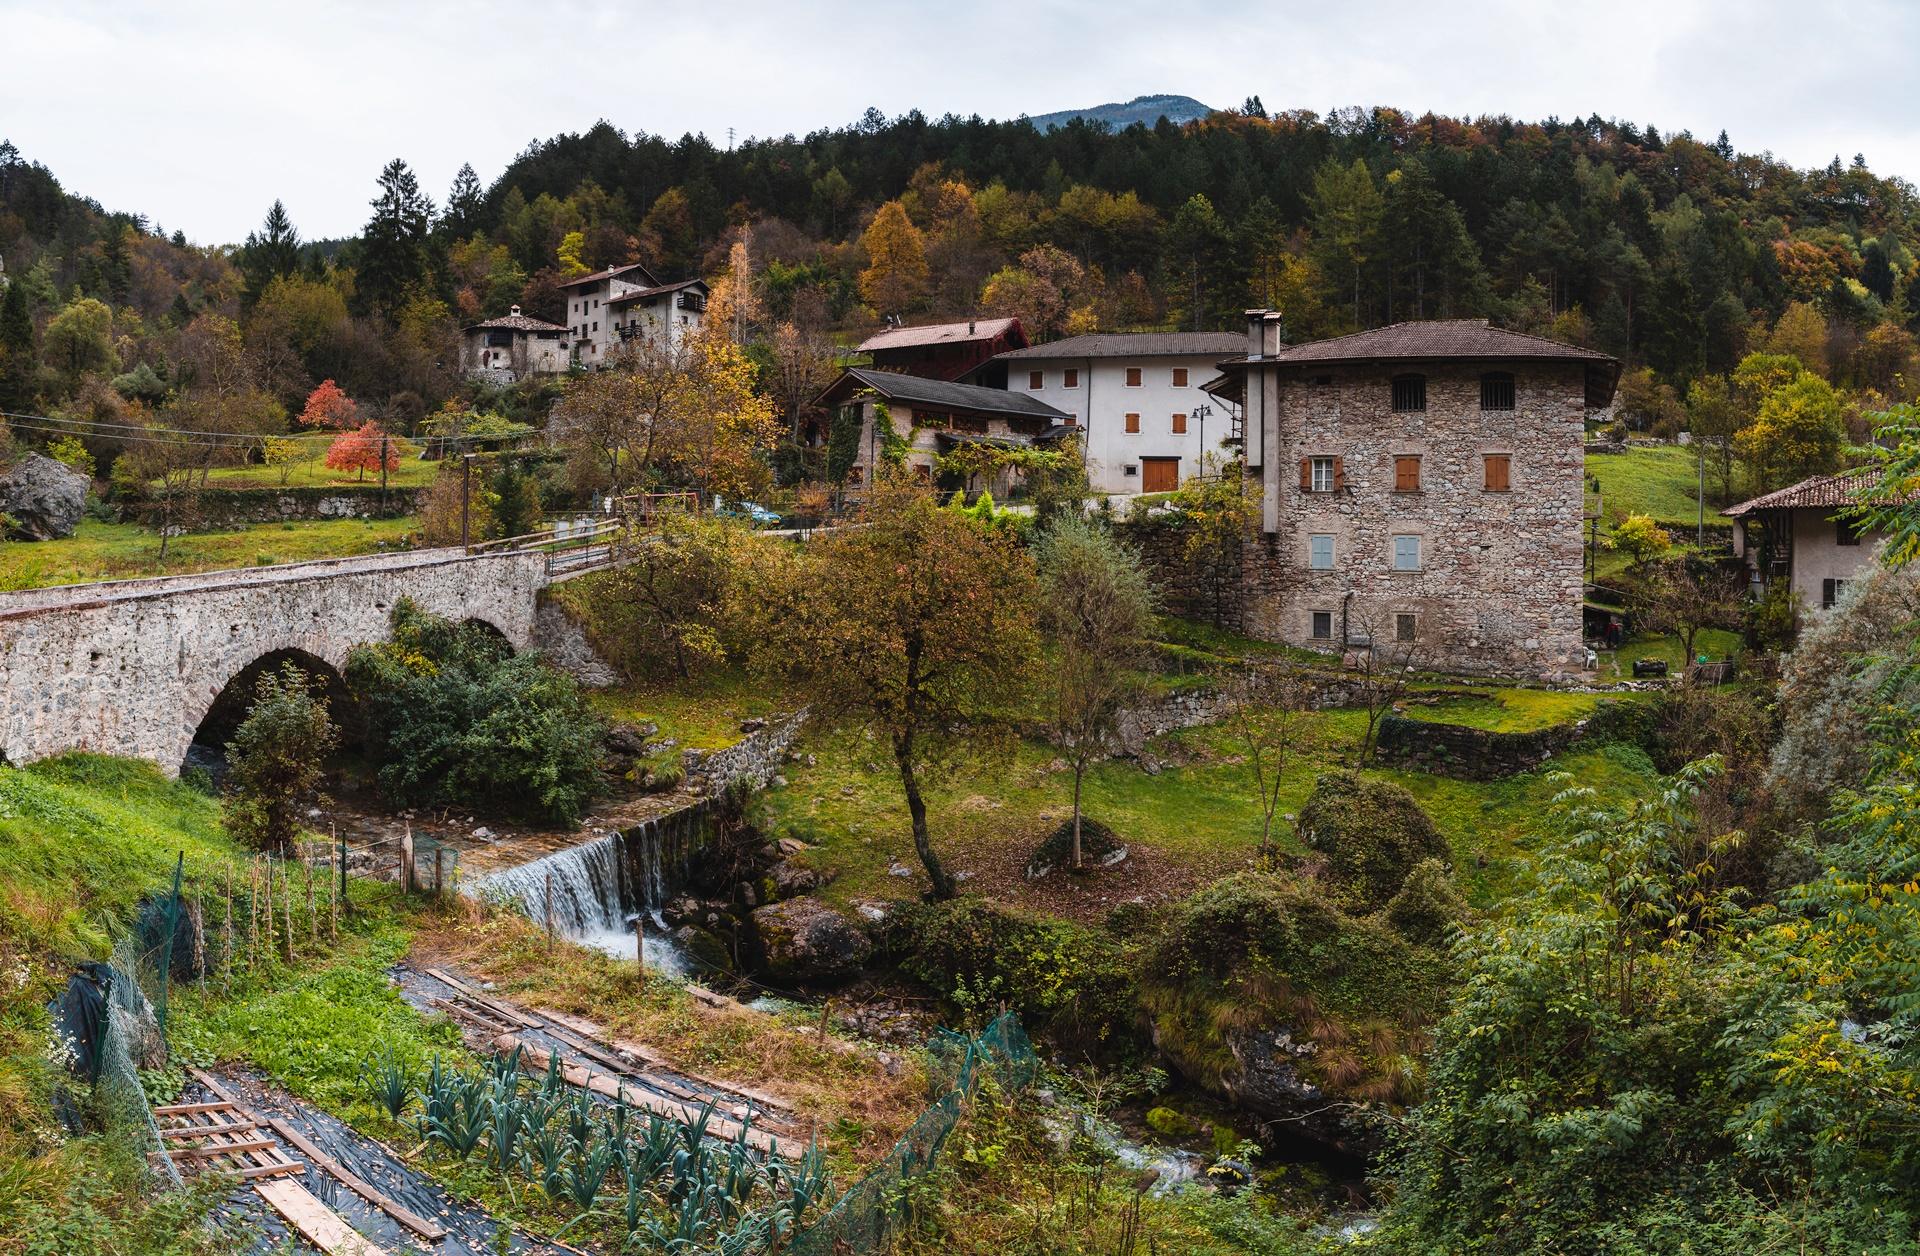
x=470, y=1230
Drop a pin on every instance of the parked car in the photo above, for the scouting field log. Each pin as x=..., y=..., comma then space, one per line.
x=759, y=516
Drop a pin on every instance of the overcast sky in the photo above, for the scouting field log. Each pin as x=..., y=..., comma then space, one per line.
x=200, y=114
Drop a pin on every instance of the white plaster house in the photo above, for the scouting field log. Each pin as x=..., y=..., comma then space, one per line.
x=514, y=347
x=1138, y=399
x=935, y=416
x=1799, y=535
x=613, y=307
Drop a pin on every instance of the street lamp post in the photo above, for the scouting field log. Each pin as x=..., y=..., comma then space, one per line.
x=1200, y=413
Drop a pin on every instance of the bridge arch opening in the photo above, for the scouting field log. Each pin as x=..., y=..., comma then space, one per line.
x=223, y=717
x=491, y=632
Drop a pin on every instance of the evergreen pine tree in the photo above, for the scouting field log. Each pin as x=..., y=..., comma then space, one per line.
x=16, y=349
x=393, y=248
x=465, y=201
x=269, y=253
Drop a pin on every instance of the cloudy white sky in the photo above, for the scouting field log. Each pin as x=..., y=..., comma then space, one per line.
x=199, y=114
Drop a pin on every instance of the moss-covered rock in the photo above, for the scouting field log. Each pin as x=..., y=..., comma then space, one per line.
x=1370, y=832
x=1428, y=904
x=1097, y=842
x=1168, y=1123
x=1264, y=991
x=805, y=941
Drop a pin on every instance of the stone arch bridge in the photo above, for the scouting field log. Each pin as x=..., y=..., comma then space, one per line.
x=132, y=667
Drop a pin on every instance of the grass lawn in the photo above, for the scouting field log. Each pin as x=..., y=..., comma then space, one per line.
x=120, y=551
x=311, y=470
x=700, y=714
x=1510, y=710
x=1715, y=643
x=1657, y=480
x=1195, y=820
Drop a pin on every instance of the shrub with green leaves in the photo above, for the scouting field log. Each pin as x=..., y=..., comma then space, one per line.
x=1371, y=834
x=454, y=716
x=277, y=755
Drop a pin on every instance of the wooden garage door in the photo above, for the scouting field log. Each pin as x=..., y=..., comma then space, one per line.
x=1159, y=475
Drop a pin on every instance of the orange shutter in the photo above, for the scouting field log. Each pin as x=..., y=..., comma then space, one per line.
x=1498, y=469
x=1179, y=377
x=1406, y=474
x=1133, y=422
x=1073, y=377
x=1133, y=377
x=1035, y=380
x=1306, y=475
x=1339, y=473
x=1179, y=424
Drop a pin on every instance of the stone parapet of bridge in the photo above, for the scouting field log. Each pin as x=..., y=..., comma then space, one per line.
x=131, y=667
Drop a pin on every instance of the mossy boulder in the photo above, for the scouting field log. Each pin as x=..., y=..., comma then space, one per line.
x=1428, y=904
x=706, y=949
x=804, y=941
x=1263, y=991
x=1098, y=843
x=1168, y=1123
x=1370, y=832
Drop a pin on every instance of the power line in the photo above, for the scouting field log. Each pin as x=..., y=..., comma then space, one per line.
x=65, y=426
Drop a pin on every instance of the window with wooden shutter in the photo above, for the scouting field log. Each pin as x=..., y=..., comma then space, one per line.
x=1409, y=394
x=1179, y=377
x=1406, y=473
x=1306, y=475
x=1339, y=473
x=1179, y=425
x=1133, y=377
x=1499, y=473
x=1133, y=422
x=1072, y=378
x=1036, y=380
x=1320, y=474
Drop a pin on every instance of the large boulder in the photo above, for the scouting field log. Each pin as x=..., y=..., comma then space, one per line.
x=804, y=940
x=44, y=498
x=1371, y=833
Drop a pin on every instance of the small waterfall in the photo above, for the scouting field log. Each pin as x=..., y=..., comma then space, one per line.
x=596, y=888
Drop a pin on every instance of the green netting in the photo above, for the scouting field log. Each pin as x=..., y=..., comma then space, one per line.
x=129, y=1034
x=864, y=1217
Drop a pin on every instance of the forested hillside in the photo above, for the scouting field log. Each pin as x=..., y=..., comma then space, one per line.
x=1679, y=255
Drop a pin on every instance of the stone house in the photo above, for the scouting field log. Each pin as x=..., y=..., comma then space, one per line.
x=1422, y=492
x=503, y=350
x=943, y=350
x=1799, y=535
x=1136, y=396
x=936, y=416
x=623, y=304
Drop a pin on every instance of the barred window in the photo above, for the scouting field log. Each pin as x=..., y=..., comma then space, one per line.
x=1409, y=394
x=1323, y=625
x=1496, y=391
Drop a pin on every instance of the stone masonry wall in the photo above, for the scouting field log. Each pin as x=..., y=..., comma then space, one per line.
x=1473, y=754
x=131, y=667
x=1498, y=590
x=239, y=507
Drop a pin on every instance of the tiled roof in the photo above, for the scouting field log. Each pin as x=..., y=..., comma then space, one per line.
x=1820, y=492
x=610, y=273
x=939, y=394
x=940, y=334
x=515, y=322
x=1148, y=344
x=628, y=298
x=1471, y=338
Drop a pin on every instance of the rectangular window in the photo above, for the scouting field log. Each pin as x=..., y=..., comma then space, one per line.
x=1323, y=625
x=1072, y=378
x=1831, y=592
x=1179, y=377
x=1499, y=473
x=1320, y=551
x=1406, y=627
x=1406, y=473
x=1847, y=531
x=1409, y=394
x=1406, y=553
x=1322, y=469
x=1036, y=380
x=1133, y=377
x=1131, y=469
x=596, y=324
x=1496, y=391
x=1133, y=422
x=1179, y=425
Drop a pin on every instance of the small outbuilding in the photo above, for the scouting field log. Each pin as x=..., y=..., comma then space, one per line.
x=514, y=347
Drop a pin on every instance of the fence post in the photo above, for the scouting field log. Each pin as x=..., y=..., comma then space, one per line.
x=406, y=861
x=549, y=913
x=340, y=856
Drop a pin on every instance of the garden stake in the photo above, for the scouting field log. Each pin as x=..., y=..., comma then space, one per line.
x=226, y=964
x=313, y=912
x=286, y=896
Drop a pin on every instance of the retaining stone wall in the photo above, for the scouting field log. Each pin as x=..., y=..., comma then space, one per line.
x=241, y=507
x=1473, y=754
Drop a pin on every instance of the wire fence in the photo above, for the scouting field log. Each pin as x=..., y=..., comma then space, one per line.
x=863, y=1219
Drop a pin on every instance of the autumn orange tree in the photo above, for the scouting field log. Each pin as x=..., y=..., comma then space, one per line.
x=917, y=626
x=329, y=406
x=895, y=279
x=362, y=450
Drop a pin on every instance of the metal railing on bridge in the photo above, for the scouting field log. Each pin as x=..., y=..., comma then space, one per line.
x=572, y=546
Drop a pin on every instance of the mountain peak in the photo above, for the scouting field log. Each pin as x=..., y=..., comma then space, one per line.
x=1146, y=110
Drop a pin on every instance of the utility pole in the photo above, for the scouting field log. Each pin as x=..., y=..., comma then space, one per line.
x=383, y=472
x=466, y=488
x=1700, y=459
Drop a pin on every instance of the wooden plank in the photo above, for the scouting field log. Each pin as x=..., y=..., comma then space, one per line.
x=271, y=1170
x=195, y=1131
x=770, y=1104
x=189, y=1109
x=459, y=1011
x=219, y=1149
x=327, y=1164
x=476, y=995
x=317, y=1223
x=269, y=1161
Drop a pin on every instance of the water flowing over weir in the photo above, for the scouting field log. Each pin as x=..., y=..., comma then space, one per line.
x=593, y=889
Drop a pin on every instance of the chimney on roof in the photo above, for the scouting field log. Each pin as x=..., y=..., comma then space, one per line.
x=515, y=311
x=1256, y=333
x=1271, y=332
x=969, y=327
